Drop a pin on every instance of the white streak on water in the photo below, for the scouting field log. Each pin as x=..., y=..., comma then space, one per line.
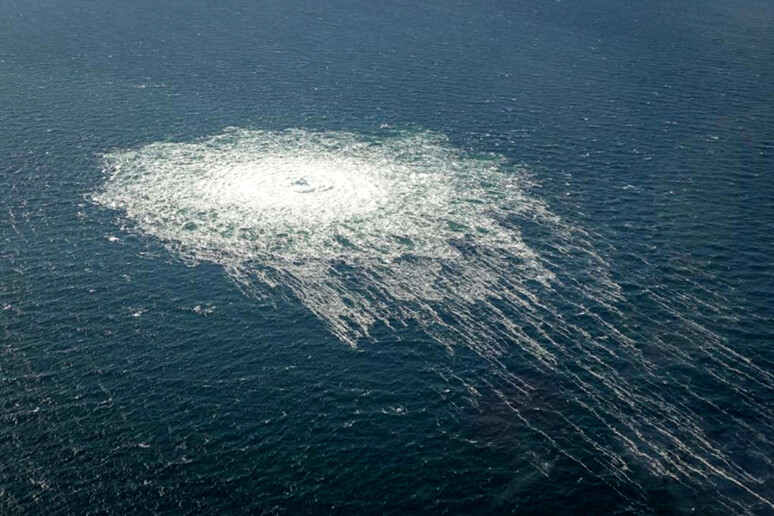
x=406, y=229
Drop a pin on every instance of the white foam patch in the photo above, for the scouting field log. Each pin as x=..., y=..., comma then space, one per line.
x=302, y=195
x=288, y=206
x=406, y=229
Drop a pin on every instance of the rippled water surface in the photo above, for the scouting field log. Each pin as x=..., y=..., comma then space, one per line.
x=296, y=257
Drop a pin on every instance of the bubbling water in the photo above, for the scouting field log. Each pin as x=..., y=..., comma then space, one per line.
x=297, y=202
x=296, y=195
x=405, y=228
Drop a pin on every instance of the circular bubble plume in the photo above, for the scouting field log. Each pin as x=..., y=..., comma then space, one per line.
x=292, y=206
x=405, y=229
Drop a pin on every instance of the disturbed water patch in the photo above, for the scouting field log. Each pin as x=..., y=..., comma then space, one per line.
x=294, y=206
x=403, y=228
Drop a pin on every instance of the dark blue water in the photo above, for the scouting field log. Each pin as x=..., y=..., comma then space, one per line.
x=132, y=380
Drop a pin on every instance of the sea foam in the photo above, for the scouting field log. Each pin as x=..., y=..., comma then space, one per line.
x=403, y=228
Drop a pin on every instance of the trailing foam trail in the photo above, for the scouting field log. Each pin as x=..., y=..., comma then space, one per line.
x=405, y=228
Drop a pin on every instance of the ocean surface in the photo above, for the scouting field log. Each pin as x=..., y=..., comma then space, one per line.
x=358, y=257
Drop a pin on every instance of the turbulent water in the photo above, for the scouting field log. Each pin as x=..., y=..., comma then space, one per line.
x=362, y=231
x=403, y=228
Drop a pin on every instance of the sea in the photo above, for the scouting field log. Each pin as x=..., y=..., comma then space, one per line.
x=387, y=257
